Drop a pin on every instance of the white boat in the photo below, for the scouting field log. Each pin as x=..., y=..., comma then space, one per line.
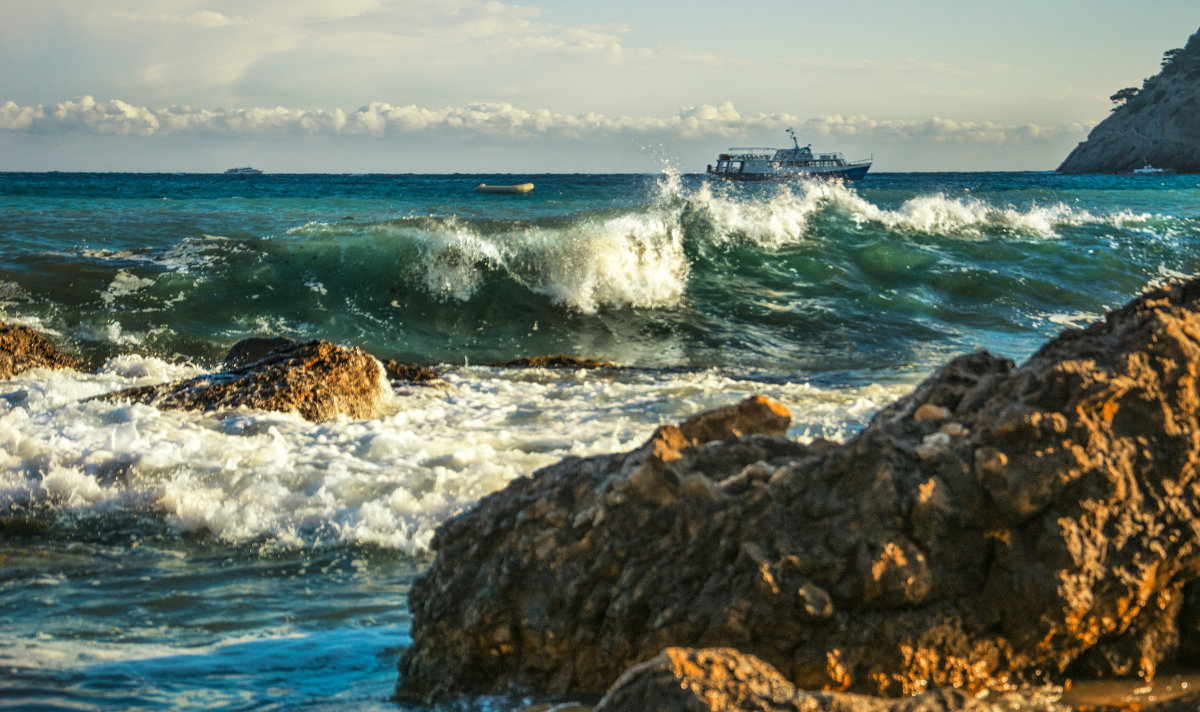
x=517, y=188
x=243, y=171
x=779, y=164
x=1148, y=170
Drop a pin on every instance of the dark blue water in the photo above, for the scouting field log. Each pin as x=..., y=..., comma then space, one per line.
x=164, y=560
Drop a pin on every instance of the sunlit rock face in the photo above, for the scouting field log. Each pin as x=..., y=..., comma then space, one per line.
x=316, y=379
x=726, y=680
x=22, y=348
x=996, y=527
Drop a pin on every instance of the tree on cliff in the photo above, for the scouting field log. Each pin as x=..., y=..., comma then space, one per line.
x=1158, y=123
x=1122, y=97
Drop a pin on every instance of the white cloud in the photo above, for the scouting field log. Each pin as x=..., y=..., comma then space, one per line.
x=19, y=118
x=495, y=119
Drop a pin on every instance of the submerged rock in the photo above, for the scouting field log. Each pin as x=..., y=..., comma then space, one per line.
x=317, y=379
x=998, y=526
x=408, y=372
x=22, y=348
x=559, y=361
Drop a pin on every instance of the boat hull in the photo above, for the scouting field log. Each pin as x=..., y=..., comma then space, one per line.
x=853, y=172
x=518, y=188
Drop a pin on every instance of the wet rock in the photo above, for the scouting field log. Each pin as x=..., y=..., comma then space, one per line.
x=317, y=379
x=410, y=372
x=1048, y=529
x=559, y=361
x=22, y=348
x=725, y=680
x=247, y=351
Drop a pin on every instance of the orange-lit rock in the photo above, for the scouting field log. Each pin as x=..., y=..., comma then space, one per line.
x=22, y=348
x=998, y=526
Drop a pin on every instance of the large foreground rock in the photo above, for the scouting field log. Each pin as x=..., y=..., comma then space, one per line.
x=998, y=526
x=22, y=348
x=317, y=379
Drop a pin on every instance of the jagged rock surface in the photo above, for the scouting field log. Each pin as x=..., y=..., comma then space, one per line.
x=22, y=348
x=996, y=526
x=317, y=379
x=408, y=372
x=725, y=680
x=1160, y=125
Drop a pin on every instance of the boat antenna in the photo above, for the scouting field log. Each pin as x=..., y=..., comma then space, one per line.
x=792, y=133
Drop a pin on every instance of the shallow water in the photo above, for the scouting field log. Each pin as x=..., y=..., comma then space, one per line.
x=164, y=560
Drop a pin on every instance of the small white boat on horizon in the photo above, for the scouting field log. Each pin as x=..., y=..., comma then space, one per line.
x=516, y=188
x=1147, y=170
x=243, y=171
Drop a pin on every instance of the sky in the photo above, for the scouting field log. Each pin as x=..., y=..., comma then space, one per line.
x=566, y=86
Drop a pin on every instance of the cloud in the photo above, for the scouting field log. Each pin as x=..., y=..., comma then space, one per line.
x=19, y=118
x=494, y=119
x=200, y=18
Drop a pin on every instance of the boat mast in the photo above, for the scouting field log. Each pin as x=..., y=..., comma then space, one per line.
x=795, y=143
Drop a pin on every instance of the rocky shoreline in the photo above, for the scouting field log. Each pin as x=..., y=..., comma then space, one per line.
x=987, y=539
x=1000, y=528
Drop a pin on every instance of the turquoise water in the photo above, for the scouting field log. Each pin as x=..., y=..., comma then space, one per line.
x=166, y=560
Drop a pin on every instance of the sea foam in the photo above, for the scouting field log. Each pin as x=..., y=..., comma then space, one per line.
x=276, y=480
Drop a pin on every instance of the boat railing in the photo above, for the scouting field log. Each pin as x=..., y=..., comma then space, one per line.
x=740, y=153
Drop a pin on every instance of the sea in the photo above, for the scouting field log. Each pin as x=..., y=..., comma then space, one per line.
x=168, y=560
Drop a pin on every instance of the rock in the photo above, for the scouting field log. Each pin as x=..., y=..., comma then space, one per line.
x=1052, y=535
x=410, y=373
x=559, y=361
x=22, y=348
x=725, y=680
x=316, y=379
x=247, y=351
x=1160, y=125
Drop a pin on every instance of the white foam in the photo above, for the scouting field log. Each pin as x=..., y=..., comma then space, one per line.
x=785, y=216
x=635, y=259
x=970, y=218
x=277, y=479
x=123, y=284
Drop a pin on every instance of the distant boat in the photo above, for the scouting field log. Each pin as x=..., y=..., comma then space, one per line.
x=518, y=188
x=243, y=171
x=1148, y=170
x=780, y=164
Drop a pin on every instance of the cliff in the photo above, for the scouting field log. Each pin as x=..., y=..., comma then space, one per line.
x=1157, y=124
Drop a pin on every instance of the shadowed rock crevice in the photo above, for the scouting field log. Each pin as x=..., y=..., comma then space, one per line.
x=999, y=526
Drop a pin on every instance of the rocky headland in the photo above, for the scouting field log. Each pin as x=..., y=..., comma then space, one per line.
x=1001, y=527
x=1157, y=123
